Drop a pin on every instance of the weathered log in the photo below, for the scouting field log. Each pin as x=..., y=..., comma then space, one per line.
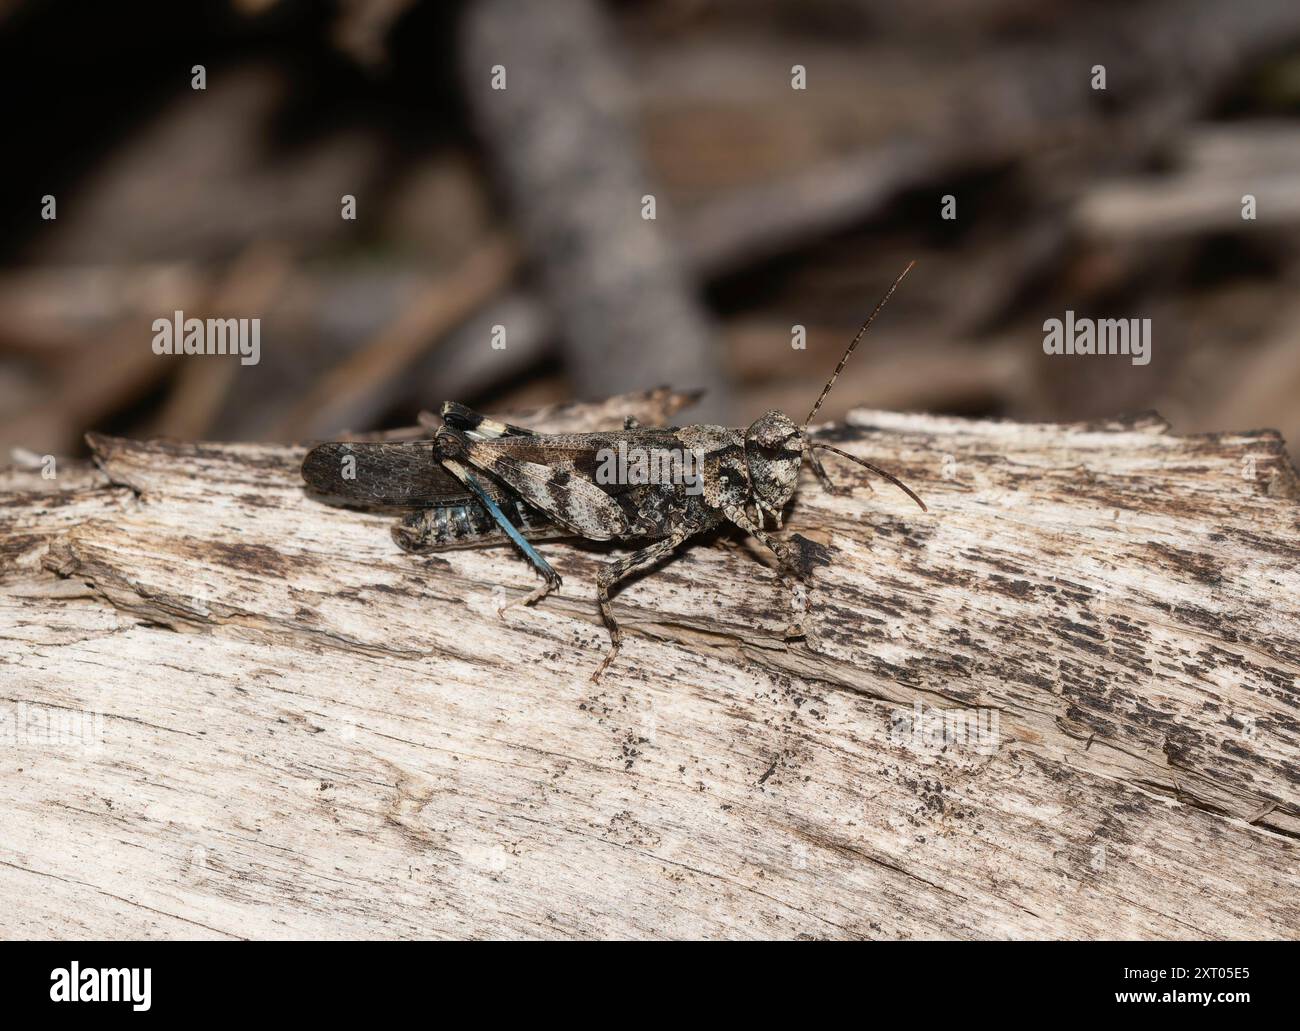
x=231, y=710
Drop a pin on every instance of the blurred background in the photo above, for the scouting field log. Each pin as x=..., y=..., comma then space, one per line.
x=523, y=208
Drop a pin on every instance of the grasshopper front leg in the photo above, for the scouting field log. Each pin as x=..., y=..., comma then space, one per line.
x=823, y=477
x=794, y=564
x=617, y=570
x=797, y=560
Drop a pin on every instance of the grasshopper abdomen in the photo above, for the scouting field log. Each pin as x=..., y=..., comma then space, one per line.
x=467, y=524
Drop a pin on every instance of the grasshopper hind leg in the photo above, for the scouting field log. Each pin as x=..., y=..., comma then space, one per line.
x=469, y=525
x=434, y=529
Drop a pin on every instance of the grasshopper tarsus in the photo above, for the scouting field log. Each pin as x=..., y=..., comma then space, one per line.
x=482, y=482
x=533, y=597
x=606, y=661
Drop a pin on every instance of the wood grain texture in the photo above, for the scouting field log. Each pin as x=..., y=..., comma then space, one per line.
x=231, y=711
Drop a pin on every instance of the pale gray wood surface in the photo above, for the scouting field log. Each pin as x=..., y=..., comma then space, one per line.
x=232, y=711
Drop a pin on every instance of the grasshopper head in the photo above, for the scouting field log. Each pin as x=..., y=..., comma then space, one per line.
x=774, y=447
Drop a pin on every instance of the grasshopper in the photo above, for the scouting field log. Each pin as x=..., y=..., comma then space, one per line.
x=479, y=482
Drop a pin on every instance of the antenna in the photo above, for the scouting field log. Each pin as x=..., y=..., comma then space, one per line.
x=875, y=469
x=861, y=333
